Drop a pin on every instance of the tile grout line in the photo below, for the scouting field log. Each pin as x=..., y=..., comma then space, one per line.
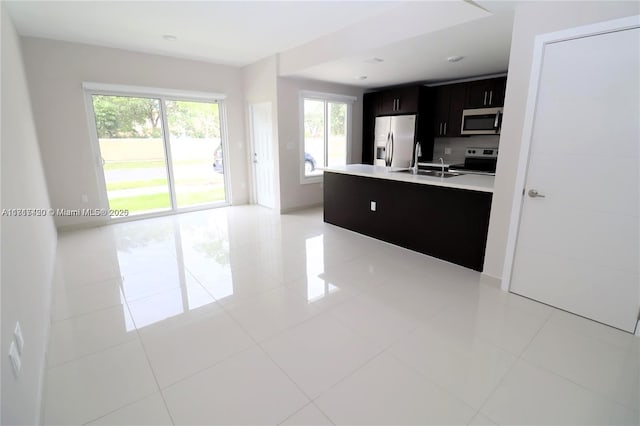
x=430, y=381
x=501, y=381
x=606, y=398
x=146, y=354
x=263, y=350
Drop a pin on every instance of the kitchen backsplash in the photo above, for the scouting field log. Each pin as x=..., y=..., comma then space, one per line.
x=458, y=146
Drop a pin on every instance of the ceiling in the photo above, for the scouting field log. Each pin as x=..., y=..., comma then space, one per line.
x=239, y=33
x=225, y=32
x=484, y=45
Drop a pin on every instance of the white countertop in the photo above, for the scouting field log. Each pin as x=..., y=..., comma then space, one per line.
x=470, y=182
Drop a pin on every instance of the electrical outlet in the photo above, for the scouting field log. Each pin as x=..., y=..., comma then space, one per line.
x=15, y=359
x=447, y=151
x=373, y=206
x=17, y=333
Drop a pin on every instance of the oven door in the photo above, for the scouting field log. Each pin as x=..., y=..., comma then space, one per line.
x=481, y=121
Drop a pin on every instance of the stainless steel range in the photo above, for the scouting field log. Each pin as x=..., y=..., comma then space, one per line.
x=478, y=160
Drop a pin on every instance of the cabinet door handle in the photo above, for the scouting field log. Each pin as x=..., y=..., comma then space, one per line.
x=491, y=97
x=398, y=104
x=445, y=128
x=485, y=98
x=440, y=130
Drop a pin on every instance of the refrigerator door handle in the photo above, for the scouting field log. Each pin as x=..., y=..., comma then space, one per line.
x=391, y=151
x=386, y=149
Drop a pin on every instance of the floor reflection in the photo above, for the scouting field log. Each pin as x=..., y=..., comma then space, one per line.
x=317, y=288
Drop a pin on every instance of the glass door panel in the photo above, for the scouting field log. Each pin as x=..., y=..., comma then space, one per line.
x=196, y=152
x=337, y=144
x=130, y=136
x=314, y=136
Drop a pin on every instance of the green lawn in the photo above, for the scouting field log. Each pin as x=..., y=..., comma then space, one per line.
x=141, y=203
x=130, y=184
x=147, y=164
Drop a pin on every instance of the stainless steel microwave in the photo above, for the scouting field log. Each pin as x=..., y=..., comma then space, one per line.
x=481, y=121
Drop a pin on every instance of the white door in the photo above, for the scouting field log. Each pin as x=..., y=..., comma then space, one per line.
x=263, y=167
x=577, y=248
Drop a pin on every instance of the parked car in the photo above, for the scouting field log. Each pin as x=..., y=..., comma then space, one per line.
x=309, y=161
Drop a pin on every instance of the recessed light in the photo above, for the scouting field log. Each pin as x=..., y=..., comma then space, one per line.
x=455, y=58
x=361, y=77
x=169, y=37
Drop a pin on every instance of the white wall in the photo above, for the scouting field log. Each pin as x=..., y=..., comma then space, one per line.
x=28, y=243
x=261, y=85
x=531, y=19
x=293, y=194
x=55, y=72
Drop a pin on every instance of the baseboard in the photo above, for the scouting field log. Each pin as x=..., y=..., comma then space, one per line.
x=300, y=208
x=490, y=280
x=80, y=226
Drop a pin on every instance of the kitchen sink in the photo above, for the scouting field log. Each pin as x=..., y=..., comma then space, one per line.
x=433, y=173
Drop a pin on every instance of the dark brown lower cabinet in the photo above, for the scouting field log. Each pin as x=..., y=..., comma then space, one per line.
x=447, y=223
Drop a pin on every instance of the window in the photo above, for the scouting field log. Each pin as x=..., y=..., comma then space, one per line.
x=326, y=122
x=159, y=152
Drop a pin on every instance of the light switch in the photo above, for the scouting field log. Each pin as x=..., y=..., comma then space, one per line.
x=15, y=359
x=373, y=206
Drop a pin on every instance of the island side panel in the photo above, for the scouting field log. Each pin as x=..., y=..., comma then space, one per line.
x=447, y=223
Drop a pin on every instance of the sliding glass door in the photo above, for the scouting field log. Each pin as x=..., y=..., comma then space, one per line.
x=159, y=154
x=196, y=152
x=132, y=151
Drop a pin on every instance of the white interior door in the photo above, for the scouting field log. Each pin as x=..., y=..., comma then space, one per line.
x=263, y=164
x=577, y=248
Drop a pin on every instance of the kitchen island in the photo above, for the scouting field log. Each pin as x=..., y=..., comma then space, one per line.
x=447, y=218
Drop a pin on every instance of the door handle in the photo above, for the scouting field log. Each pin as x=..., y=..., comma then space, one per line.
x=445, y=129
x=398, y=100
x=440, y=130
x=485, y=98
x=391, y=151
x=495, y=123
x=491, y=97
x=533, y=193
x=386, y=149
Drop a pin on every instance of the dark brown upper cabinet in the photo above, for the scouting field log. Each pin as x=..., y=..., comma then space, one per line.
x=449, y=103
x=401, y=100
x=485, y=93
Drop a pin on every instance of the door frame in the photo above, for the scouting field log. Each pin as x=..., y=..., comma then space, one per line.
x=540, y=43
x=91, y=88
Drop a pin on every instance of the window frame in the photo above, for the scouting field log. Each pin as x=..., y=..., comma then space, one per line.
x=163, y=95
x=326, y=98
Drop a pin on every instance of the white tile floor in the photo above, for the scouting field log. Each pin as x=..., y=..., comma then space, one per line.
x=243, y=316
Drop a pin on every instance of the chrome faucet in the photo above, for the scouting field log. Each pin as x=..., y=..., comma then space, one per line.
x=416, y=153
x=442, y=165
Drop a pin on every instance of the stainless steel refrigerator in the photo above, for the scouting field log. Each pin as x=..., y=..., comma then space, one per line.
x=394, y=140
